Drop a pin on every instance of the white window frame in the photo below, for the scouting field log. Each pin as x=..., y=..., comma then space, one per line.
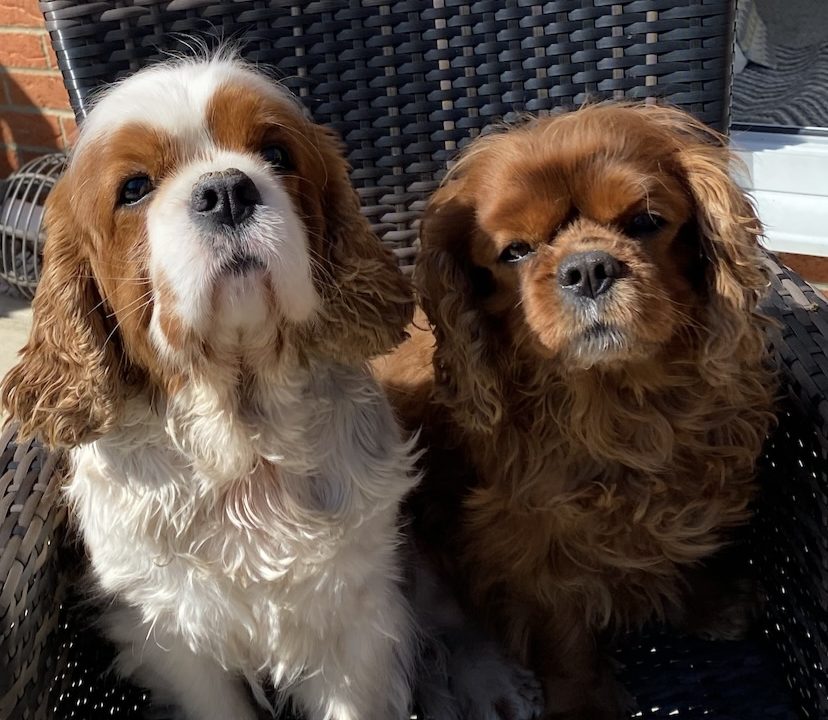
x=787, y=175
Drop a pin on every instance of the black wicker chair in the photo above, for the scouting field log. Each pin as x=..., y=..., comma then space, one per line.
x=407, y=83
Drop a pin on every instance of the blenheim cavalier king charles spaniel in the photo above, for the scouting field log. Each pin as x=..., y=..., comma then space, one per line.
x=209, y=299
x=595, y=391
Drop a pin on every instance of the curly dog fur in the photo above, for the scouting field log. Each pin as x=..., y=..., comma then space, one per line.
x=584, y=456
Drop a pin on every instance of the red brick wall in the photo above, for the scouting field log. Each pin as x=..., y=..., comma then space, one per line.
x=813, y=269
x=34, y=109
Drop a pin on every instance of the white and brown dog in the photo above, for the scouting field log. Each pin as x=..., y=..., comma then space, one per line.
x=209, y=298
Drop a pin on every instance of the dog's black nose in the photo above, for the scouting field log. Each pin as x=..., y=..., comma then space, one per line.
x=589, y=274
x=226, y=197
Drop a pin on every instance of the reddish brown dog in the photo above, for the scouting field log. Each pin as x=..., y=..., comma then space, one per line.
x=594, y=389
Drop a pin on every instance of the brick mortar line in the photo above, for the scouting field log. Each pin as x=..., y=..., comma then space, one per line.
x=34, y=72
x=16, y=30
x=42, y=111
x=30, y=148
x=33, y=111
x=45, y=47
x=37, y=110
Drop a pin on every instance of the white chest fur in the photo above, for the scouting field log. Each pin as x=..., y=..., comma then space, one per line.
x=244, y=528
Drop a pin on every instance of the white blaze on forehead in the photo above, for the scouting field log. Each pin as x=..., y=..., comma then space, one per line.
x=172, y=97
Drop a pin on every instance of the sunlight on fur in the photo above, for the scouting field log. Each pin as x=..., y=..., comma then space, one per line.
x=591, y=378
x=210, y=296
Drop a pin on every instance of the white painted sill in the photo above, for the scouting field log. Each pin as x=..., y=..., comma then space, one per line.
x=788, y=178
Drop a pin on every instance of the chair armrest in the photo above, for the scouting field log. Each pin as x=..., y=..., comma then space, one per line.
x=32, y=523
x=790, y=532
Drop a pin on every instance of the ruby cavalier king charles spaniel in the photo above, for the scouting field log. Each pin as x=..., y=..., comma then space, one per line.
x=593, y=390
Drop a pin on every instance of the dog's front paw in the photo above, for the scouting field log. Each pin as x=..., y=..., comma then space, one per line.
x=488, y=686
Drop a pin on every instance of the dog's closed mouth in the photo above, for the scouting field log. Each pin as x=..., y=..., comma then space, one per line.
x=600, y=330
x=601, y=339
x=241, y=264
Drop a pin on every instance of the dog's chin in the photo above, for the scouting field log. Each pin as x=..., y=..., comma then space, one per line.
x=242, y=295
x=601, y=346
x=242, y=265
x=240, y=278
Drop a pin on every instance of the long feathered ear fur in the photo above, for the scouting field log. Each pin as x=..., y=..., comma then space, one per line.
x=367, y=300
x=729, y=229
x=728, y=225
x=467, y=379
x=729, y=232
x=66, y=388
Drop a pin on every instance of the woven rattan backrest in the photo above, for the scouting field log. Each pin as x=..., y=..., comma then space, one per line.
x=407, y=83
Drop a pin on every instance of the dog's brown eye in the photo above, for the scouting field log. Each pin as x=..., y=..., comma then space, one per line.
x=515, y=251
x=644, y=224
x=134, y=189
x=278, y=157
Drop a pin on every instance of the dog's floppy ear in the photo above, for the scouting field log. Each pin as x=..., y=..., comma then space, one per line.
x=467, y=378
x=367, y=300
x=729, y=229
x=66, y=387
x=728, y=232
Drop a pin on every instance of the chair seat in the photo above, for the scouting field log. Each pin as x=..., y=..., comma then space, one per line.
x=674, y=676
x=670, y=677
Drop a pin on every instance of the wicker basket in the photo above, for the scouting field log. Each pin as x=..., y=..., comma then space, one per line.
x=21, y=216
